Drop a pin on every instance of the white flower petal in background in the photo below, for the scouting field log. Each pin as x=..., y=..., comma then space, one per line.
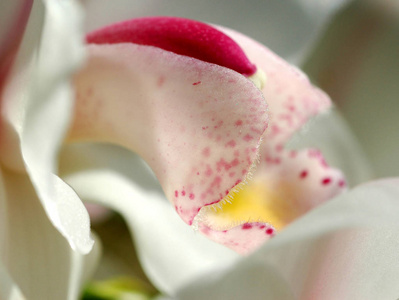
x=357, y=63
x=171, y=253
x=37, y=104
x=35, y=255
x=346, y=249
x=286, y=27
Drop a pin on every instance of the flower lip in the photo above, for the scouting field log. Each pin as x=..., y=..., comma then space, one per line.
x=181, y=36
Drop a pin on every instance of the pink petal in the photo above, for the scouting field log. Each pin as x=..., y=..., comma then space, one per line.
x=292, y=99
x=189, y=120
x=182, y=36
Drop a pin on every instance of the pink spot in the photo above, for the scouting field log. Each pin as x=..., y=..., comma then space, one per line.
x=206, y=152
x=303, y=174
x=231, y=143
x=219, y=124
x=176, y=194
x=326, y=181
x=204, y=127
x=236, y=153
x=279, y=148
x=235, y=162
x=238, y=123
x=198, y=173
x=191, y=196
x=248, y=138
x=246, y=226
x=232, y=174
x=341, y=183
x=208, y=171
x=197, y=83
x=237, y=182
x=161, y=81
x=269, y=231
x=262, y=226
x=183, y=193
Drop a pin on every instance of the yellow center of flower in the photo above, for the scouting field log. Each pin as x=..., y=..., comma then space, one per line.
x=253, y=202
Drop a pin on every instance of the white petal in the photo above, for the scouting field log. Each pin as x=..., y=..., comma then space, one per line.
x=171, y=253
x=37, y=106
x=36, y=256
x=346, y=249
x=365, y=86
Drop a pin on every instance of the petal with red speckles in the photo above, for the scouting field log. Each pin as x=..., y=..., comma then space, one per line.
x=291, y=97
x=179, y=113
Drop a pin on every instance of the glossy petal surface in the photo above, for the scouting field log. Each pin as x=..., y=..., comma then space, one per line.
x=36, y=256
x=36, y=108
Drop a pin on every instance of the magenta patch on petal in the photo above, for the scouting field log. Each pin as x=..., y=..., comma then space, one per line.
x=181, y=36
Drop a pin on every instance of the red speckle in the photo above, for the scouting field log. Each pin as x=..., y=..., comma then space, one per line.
x=191, y=196
x=198, y=173
x=237, y=182
x=269, y=231
x=183, y=193
x=246, y=226
x=176, y=194
x=231, y=143
x=248, y=138
x=205, y=127
x=238, y=123
x=326, y=181
x=208, y=171
x=262, y=226
x=206, y=152
x=303, y=174
x=341, y=183
x=219, y=124
x=235, y=162
x=197, y=83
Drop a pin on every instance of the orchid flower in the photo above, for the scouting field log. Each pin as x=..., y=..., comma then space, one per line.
x=36, y=261
x=298, y=180
x=308, y=259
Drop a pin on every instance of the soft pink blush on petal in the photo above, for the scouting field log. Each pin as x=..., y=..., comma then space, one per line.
x=189, y=120
x=291, y=97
